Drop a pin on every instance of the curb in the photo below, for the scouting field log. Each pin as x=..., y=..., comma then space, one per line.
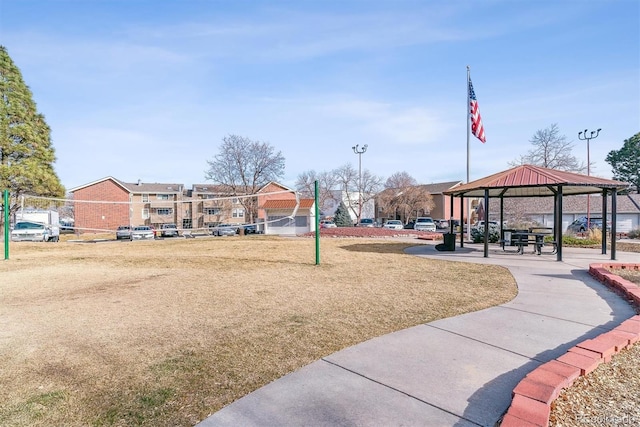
x=533, y=396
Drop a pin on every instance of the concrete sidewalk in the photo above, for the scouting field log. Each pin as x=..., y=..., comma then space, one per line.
x=458, y=371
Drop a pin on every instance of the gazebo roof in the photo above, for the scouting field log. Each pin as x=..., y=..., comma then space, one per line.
x=534, y=181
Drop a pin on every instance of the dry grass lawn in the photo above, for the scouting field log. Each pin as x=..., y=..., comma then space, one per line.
x=163, y=333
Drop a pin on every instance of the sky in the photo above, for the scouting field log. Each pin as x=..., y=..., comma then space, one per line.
x=147, y=89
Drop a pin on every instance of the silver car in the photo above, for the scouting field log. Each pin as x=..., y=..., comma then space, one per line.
x=366, y=222
x=224, y=230
x=123, y=232
x=393, y=224
x=424, y=223
x=169, y=230
x=142, y=232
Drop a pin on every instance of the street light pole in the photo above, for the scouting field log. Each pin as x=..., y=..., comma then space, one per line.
x=359, y=152
x=593, y=135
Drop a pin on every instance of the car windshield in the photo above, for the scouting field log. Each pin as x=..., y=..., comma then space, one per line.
x=366, y=221
x=28, y=226
x=424, y=220
x=144, y=228
x=394, y=222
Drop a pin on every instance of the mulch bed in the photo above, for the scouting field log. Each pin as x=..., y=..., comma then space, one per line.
x=372, y=232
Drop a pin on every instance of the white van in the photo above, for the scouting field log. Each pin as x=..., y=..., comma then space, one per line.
x=31, y=231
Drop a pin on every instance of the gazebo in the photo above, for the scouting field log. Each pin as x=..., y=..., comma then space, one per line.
x=535, y=181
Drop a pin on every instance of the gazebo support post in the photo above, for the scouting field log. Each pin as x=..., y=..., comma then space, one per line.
x=604, y=221
x=555, y=213
x=486, y=223
x=462, y=221
x=451, y=229
x=614, y=208
x=557, y=221
x=501, y=216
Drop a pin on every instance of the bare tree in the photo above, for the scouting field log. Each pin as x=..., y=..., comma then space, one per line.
x=400, y=180
x=551, y=150
x=244, y=166
x=348, y=182
x=404, y=198
x=305, y=185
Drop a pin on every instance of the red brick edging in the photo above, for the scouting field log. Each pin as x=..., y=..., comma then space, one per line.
x=532, y=397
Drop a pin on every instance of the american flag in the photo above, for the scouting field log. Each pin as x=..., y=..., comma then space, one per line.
x=476, y=121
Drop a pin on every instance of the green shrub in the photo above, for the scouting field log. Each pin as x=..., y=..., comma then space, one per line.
x=477, y=234
x=570, y=240
x=634, y=234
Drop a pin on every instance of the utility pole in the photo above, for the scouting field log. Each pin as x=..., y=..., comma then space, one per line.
x=359, y=152
x=594, y=134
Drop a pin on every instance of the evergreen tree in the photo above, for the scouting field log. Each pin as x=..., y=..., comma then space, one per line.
x=342, y=217
x=625, y=162
x=26, y=153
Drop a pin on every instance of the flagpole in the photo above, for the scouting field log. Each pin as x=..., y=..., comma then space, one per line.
x=468, y=135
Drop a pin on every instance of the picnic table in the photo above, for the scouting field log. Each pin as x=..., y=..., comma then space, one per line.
x=532, y=237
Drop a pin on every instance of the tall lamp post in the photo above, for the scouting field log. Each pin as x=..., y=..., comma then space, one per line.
x=588, y=137
x=359, y=152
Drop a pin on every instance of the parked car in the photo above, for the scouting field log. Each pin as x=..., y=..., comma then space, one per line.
x=424, y=223
x=393, y=224
x=442, y=223
x=580, y=224
x=169, y=230
x=123, y=232
x=142, y=232
x=28, y=231
x=366, y=222
x=410, y=225
x=66, y=227
x=250, y=229
x=327, y=223
x=224, y=230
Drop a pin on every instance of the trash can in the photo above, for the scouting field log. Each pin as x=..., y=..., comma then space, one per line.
x=449, y=242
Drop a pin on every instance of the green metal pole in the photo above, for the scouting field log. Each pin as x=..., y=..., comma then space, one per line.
x=317, y=224
x=5, y=209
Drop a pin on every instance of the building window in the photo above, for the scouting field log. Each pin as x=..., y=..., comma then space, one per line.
x=145, y=198
x=145, y=213
x=237, y=213
x=162, y=196
x=212, y=211
x=164, y=211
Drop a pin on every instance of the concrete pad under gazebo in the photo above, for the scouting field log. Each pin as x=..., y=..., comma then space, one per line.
x=536, y=181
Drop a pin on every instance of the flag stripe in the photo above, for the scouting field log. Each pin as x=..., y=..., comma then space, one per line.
x=474, y=113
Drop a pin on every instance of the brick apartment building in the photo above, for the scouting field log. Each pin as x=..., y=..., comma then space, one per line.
x=105, y=204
